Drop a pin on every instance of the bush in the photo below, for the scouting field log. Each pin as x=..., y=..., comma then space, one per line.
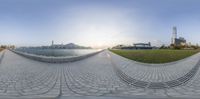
x=194, y=47
x=177, y=47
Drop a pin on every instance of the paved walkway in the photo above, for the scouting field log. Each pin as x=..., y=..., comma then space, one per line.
x=104, y=74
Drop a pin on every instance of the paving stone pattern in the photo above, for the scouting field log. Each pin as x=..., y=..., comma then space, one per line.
x=104, y=74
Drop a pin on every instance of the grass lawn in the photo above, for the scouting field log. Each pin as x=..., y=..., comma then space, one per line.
x=155, y=56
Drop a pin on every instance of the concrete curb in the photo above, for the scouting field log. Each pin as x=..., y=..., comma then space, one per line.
x=54, y=59
x=2, y=53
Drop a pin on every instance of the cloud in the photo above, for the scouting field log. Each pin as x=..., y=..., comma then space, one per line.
x=95, y=23
x=102, y=26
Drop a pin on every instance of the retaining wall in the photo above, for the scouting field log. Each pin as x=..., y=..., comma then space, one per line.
x=54, y=59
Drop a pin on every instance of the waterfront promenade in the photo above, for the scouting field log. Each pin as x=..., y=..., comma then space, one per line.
x=104, y=74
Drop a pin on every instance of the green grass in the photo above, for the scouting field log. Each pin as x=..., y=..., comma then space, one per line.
x=155, y=56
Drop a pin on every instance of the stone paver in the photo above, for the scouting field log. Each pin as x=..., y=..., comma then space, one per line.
x=156, y=77
x=104, y=74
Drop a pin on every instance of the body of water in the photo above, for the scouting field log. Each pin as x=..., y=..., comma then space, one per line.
x=59, y=52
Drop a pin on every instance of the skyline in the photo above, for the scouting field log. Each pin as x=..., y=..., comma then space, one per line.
x=99, y=23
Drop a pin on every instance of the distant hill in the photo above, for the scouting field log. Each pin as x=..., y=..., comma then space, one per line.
x=59, y=46
x=68, y=46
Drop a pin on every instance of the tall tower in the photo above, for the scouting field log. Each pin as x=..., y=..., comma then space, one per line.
x=174, y=35
x=52, y=43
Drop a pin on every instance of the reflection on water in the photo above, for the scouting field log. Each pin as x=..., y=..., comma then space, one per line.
x=59, y=52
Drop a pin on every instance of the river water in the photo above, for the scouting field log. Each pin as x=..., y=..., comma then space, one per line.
x=58, y=52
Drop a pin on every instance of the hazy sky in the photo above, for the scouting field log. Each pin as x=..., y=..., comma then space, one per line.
x=97, y=23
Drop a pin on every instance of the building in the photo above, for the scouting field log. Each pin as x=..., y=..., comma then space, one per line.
x=65, y=46
x=177, y=41
x=180, y=41
x=119, y=47
x=135, y=46
x=52, y=43
x=174, y=35
x=143, y=46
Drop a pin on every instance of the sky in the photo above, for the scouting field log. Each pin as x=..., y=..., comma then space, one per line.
x=97, y=23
